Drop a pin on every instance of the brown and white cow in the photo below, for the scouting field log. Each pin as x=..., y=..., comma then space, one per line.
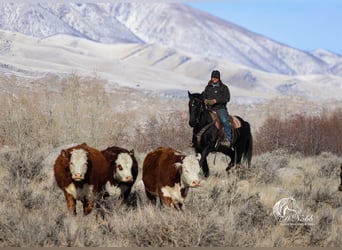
x=81, y=172
x=340, y=187
x=124, y=169
x=168, y=174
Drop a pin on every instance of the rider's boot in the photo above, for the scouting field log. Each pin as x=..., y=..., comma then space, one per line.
x=225, y=142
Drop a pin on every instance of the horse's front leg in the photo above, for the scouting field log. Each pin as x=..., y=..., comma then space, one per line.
x=231, y=155
x=203, y=162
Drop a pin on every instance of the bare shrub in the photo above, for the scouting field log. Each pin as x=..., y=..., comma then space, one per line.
x=321, y=230
x=309, y=135
x=250, y=217
x=267, y=164
x=167, y=129
x=329, y=165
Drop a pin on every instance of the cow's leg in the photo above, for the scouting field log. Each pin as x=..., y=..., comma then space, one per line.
x=164, y=200
x=151, y=197
x=179, y=206
x=89, y=203
x=101, y=204
x=71, y=203
x=167, y=201
x=88, y=206
x=125, y=192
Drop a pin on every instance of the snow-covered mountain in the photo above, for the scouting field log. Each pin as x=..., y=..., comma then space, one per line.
x=150, y=68
x=174, y=26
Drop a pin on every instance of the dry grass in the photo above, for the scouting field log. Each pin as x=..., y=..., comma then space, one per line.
x=227, y=210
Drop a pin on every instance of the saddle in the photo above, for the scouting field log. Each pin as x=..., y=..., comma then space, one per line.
x=234, y=124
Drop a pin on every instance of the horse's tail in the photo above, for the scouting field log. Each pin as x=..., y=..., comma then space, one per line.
x=247, y=156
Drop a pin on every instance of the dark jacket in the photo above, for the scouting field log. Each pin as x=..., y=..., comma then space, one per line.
x=221, y=93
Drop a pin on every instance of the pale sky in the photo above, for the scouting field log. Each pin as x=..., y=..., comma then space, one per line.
x=302, y=24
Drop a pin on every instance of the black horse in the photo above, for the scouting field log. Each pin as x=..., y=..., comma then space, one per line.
x=206, y=134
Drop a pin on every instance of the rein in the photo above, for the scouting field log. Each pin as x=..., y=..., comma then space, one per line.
x=200, y=133
x=202, y=130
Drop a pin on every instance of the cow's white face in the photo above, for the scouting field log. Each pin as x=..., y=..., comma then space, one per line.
x=124, y=164
x=78, y=164
x=191, y=170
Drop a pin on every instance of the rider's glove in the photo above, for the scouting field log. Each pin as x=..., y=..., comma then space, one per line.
x=209, y=101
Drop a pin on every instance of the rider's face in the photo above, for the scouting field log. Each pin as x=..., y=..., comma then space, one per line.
x=214, y=80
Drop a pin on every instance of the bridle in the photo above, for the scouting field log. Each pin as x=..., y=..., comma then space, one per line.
x=199, y=110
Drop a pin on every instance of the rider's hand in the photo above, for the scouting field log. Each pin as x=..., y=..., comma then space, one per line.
x=209, y=101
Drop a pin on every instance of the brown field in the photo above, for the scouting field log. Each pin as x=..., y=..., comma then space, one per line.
x=42, y=116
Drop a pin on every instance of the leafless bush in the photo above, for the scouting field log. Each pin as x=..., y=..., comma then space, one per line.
x=329, y=165
x=267, y=164
x=166, y=129
x=309, y=135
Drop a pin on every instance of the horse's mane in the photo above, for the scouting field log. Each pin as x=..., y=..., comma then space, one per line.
x=197, y=95
x=205, y=113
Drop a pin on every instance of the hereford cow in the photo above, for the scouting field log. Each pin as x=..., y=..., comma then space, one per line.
x=124, y=168
x=340, y=187
x=168, y=174
x=81, y=172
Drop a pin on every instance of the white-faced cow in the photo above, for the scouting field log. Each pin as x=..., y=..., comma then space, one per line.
x=81, y=172
x=168, y=174
x=124, y=169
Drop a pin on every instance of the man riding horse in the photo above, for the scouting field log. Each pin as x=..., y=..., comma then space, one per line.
x=216, y=96
x=205, y=110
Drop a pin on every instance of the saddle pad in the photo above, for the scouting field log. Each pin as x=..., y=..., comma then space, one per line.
x=236, y=122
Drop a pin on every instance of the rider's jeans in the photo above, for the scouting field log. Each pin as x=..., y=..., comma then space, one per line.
x=223, y=116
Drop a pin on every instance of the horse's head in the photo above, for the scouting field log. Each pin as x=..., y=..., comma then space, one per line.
x=196, y=106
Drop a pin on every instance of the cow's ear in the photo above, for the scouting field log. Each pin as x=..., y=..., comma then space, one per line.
x=178, y=165
x=131, y=152
x=65, y=153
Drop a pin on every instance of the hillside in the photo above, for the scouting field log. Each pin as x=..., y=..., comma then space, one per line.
x=171, y=25
x=152, y=69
